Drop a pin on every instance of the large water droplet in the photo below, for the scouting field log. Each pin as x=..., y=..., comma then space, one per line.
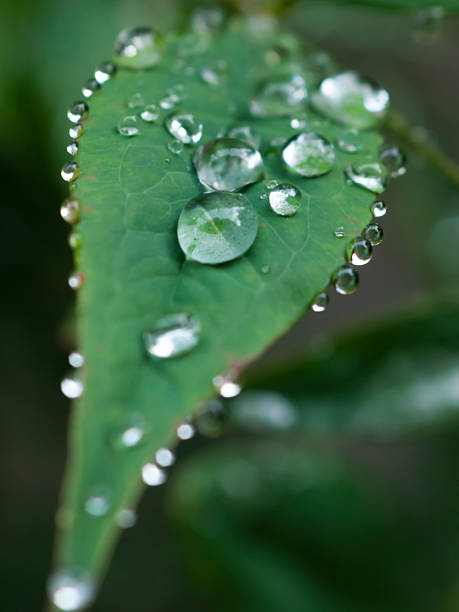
x=172, y=336
x=309, y=154
x=359, y=251
x=184, y=127
x=70, y=171
x=277, y=97
x=150, y=113
x=369, y=175
x=394, y=159
x=352, y=99
x=345, y=279
x=70, y=210
x=373, y=233
x=105, y=72
x=77, y=111
x=378, y=209
x=320, y=302
x=350, y=141
x=227, y=164
x=72, y=386
x=70, y=591
x=217, y=227
x=137, y=48
x=246, y=134
x=127, y=126
x=285, y=199
x=90, y=87
x=152, y=475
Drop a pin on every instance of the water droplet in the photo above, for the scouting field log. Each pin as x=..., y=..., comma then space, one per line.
x=77, y=111
x=152, y=475
x=378, y=209
x=105, y=72
x=212, y=420
x=227, y=164
x=279, y=97
x=272, y=184
x=76, y=130
x=70, y=171
x=369, y=175
x=75, y=240
x=214, y=73
x=309, y=154
x=352, y=99
x=172, y=336
x=350, y=141
x=345, y=279
x=339, y=232
x=206, y=20
x=373, y=233
x=126, y=518
x=184, y=128
x=127, y=126
x=185, y=431
x=170, y=100
x=136, y=101
x=285, y=199
x=76, y=359
x=137, y=48
x=97, y=504
x=164, y=457
x=90, y=87
x=226, y=387
x=298, y=124
x=359, y=251
x=150, y=113
x=70, y=591
x=70, y=210
x=394, y=159
x=175, y=146
x=320, y=302
x=130, y=432
x=265, y=269
x=76, y=280
x=72, y=148
x=246, y=134
x=217, y=227
x=71, y=386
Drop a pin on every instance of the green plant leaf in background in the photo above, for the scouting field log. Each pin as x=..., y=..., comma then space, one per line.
x=133, y=179
x=413, y=5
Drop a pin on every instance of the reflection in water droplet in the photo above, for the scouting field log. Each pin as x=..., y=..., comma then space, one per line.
x=90, y=87
x=164, y=457
x=76, y=359
x=70, y=210
x=126, y=518
x=76, y=280
x=373, y=233
x=71, y=386
x=217, y=227
x=285, y=199
x=184, y=128
x=378, y=209
x=394, y=159
x=246, y=134
x=309, y=154
x=226, y=387
x=227, y=164
x=136, y=101
x=172, y=336
x=70, y=171
x=127, y=126
x=279, y=97
x=320, y=302
x=105, y=72
x=369, y=175
x=137, y=48
x=69, y=590
x=185, y=431
x=77, y=111
x=350, y=141
x=339, y=232
x=97, y=505
x=76, y=130
x=359, y=251
x=72, y=148
x=150, y=113
x=152, y=475
x=345, y=279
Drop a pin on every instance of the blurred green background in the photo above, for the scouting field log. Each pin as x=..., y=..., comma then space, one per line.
x=348, y=539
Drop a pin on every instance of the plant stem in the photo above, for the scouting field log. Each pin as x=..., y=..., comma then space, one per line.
x=397, y=125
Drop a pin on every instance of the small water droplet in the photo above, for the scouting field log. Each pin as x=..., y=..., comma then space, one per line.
x=298, y=124
x=212, y=420
x=309, y=154
x=369, y=175
x=90, y=87
x=127, y=126
x=246, y=134
x=72, y=148
x=285, y=199
x=225, y=386
x=184, y=127
x=350, y=141
x=214, y=73
x=373, y=233
x=265, y=269
x=272, y=184
x=76, y=280
x=359, y=251
x=105, y=72
x=136, y=101
x=227, y=164
x=70, y=171
x=345, y=280
x=72, y=386
x=217, y=227
x=339, y=232
x=378, y=209
x=352, y=99
x=152, y=475
x=279, y=97
x=97, y=504
x=150, y=113
x=130, y=432
x=77, y=111
x=126, y=518
x=185, y=431
x=207, y=20
x=75, y=131
x=394, y=159
x=172, y=336
x=320, y=302
x=137, y=48
x=170, y=100
x=76, y=359
x=264, y=196
x=70, y=590
x=164, y=457
x=70, y=210
x=175, y=146
x=75, y=240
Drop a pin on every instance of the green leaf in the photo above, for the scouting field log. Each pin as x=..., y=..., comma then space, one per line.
x=413, y=5
x=132, y=191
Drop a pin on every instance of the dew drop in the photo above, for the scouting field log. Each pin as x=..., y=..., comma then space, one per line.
x=77, y=111
x=75, y=240
x=126, y=518
x=339, y=232
x=352, y=99
x=227, y=164
x=76, y=130
x=369, y=175
x=70, y=591
x=71, y=386
x=172, y=336
x=90, y=87
x=345, y=280
x=359, y=251
x=285, y=199
x=136, y=101
x=130, y=433
x=70, y=210
x=350, y=141
x=137, y=48
x=105, y=72
x=70, y=171
x=298, y=124
x=170, y=100
x=214, y=73
x=185, y=431
x=76, y=359
x=394, y=159
x=320, y=302
x=309, y=154
x=279, y=97
x=373, y=233
x=152, y=475
x=217, y=227
x=76, y=280
x=206, y=20
x=175, y=146
x=184, y=127
x=97, y=505
x=150, y=113
x=164, y=457
x=265, y=269
x=271, y=184
x=226, y=387
x=246, y=134
x=72, y=148
x=378, y=209
x=128, y=126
